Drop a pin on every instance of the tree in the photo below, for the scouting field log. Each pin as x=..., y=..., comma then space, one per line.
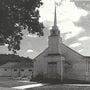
x=16, y=15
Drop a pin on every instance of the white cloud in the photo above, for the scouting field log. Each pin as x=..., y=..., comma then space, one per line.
x=46, y=10
x=75, y=45
x=69, y=28
x=67, y=13
x=32, y=35
x=30, y=51
x=67, y=10
x=84, y=38
x=80, y=50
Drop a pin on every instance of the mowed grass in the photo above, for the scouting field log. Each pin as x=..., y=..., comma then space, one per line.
x=7, y=82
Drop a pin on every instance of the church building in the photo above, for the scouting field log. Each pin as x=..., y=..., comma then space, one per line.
x=58, y=61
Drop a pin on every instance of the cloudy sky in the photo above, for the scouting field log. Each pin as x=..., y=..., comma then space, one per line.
x=73, y=22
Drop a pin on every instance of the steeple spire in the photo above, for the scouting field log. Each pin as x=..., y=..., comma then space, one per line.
x=55, y=17
x=55, y=30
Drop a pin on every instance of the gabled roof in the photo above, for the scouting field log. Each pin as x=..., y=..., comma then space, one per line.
x=87, y=56
x=58, y=54
x=72, y=50
x=40, y=53
x=8, y=65
x=16, y=65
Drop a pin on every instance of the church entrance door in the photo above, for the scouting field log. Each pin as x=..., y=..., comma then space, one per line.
x=52, y=70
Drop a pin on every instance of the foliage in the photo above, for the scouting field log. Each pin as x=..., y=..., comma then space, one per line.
x=4, y=58
x=16, y=16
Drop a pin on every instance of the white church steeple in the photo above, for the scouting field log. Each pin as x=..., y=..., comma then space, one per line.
x=55, y=30
x=55, y=18
x=54, y=42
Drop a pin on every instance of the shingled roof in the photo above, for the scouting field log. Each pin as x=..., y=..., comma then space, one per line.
x=16, y=65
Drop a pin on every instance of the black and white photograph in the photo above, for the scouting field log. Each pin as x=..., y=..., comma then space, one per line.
x=44, y=44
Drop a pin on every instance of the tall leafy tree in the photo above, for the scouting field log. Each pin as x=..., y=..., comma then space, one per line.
x=16, y=15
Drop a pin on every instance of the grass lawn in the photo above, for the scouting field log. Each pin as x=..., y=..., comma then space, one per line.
x=28, y=85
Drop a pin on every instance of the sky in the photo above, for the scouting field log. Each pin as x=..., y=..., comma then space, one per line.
x=73, y=17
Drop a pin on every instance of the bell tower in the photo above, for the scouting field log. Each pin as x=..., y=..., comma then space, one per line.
x=54, y=39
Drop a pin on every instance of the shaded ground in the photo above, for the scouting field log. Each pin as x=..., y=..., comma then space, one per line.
x=28, y=85
x=62, y=87
x=8, y=82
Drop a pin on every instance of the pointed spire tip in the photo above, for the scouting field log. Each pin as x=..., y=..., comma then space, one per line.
x=55, y=17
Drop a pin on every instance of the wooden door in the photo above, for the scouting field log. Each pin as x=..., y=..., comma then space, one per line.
x=52, y=70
